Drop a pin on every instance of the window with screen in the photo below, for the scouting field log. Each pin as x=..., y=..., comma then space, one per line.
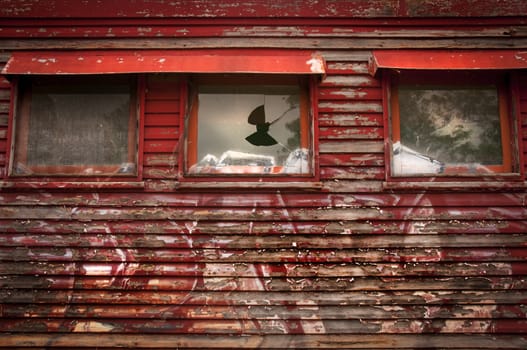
x=75, y=126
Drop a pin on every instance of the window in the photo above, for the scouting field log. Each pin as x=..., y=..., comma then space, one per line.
x=250, y=125
x=450, y=123
x=75, y=126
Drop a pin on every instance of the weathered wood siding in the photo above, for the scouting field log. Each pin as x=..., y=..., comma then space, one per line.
x=348, y=263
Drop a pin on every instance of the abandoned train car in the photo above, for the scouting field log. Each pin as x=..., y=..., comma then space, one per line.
x=263, y=174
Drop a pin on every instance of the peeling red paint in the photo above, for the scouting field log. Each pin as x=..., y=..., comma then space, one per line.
x=119, y=62
x=255, y=9
x=459, y=60
x=351, y=261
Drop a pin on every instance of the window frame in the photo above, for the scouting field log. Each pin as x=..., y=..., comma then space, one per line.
x=72, y=173
x=190, y=90
x=510, y=169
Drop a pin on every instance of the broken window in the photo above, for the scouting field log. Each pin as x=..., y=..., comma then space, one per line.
x=450, y=124
x=75, y=126
x=249, y=126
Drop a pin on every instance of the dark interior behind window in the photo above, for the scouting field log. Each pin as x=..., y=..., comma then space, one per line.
x=75, y=126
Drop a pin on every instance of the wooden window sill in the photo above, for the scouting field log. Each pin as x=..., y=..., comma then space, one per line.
x=72, y=184
x=229, y=185
x=455, y=185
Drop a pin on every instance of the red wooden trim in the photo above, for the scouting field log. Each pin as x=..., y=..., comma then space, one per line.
x=305, y=133
x=10, y=127
x=65, y=184
x=74, y=170
x=184, y=110
x=258, y=9
x=369, y=24
x=21, y=122
x=175, y=26
x=517, y=128
x=395, y=125
x=507, y=123
x=191, y=134
x=387, y=111
x=133, y=124
x=457, y=185
x=140, y=120
x=314, y=127
x=447, y=59
x=249, y=183
x=155, y=61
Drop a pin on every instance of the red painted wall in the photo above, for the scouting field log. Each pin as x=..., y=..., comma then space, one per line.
x=259, y=8
x=346, y=263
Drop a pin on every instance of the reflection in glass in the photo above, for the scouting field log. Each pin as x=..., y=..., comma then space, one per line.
x=249, y=130
x=441, y=127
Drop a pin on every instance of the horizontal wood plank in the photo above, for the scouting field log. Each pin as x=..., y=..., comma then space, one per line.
x=330, y=341
x=229, y=227
x=162, y=119
x=344, y=314
x=495, y=298
x=344, y=270
x=290, y=255
x=252, y=43
x=270, y=327
x=246, y=239
x=264, y=214
x=349, y=133
x=353, y=119
x=361, y=9
x=290, y=284
x=165, y=132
